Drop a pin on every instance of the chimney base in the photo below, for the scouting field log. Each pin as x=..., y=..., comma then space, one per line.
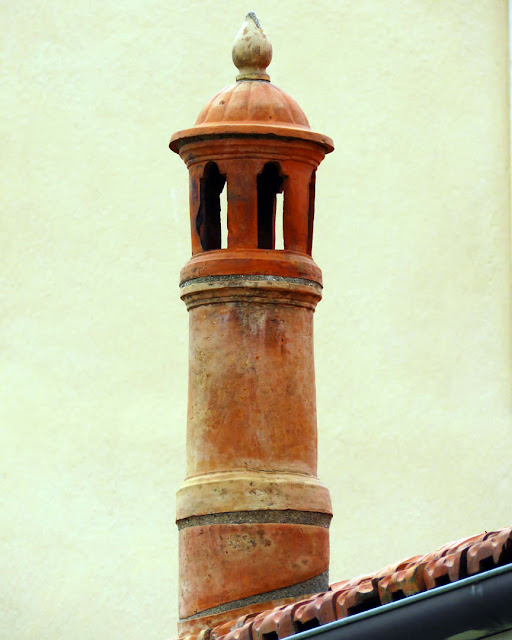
x=194, y=625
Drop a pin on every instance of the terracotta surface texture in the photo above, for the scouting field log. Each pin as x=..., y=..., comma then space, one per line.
x=247, y=490
x=218, y=551
x=253, y=517
x=452, y=562
x=251, y=367
x=254, y=102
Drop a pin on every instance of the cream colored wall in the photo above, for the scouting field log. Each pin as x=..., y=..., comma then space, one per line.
x=412, y=339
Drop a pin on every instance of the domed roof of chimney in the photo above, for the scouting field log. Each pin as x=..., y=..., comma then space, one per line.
x=253, y=101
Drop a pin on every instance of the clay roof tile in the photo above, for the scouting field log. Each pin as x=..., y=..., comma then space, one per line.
x=449, y=563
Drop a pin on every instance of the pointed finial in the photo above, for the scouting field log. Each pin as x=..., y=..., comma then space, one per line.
x=252, y=51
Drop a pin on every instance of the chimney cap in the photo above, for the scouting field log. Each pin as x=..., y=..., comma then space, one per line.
x=252, y=105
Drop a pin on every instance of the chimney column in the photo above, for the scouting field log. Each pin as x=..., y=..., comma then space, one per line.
x=253, y=517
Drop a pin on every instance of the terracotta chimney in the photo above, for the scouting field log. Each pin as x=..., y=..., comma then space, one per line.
x=253, y=517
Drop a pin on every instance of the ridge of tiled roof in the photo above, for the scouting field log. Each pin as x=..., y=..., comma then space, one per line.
x=452, y=562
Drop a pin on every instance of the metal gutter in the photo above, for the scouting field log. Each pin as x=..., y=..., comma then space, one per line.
x=469, y=609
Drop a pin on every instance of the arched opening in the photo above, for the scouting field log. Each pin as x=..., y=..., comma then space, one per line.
x=208, y=223
x=311, y=211
x=224, y=219
x=269, y=184
x=279, y=222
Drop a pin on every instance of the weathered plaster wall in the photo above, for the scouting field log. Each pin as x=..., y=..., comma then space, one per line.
x=412, y=338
